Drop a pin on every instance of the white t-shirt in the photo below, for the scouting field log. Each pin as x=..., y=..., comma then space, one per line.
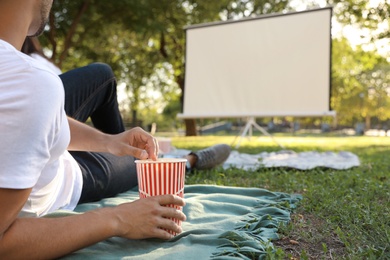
x=34, y=135
x=46, y=62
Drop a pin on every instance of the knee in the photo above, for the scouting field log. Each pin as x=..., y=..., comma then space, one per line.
x=102, y=69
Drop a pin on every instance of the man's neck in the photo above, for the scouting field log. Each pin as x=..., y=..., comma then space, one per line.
x=14, y=23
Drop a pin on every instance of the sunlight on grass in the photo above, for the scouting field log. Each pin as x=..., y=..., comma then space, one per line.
x=299, y=143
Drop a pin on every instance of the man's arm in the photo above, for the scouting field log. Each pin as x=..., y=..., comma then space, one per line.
x=135, y=142
x=47, y=238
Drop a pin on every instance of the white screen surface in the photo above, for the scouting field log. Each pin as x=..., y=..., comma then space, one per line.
x=268, y=66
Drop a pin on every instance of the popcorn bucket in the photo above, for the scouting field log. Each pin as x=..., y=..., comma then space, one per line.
x=160, y=177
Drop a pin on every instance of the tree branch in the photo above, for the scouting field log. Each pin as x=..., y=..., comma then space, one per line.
x=72, y=30
x=52, y=37
x=163, y=52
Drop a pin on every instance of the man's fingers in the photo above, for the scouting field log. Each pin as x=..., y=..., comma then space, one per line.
x=169, y=224
x=170, y=199
x=151, y=144
x=162, y=234
x=135, y=152
x=152, y=148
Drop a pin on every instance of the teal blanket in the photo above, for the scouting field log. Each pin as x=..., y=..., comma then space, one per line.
x=222, y=223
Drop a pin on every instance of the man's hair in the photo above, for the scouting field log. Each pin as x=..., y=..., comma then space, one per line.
x=32, y=45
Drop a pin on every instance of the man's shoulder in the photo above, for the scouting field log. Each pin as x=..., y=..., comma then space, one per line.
x=14, y=63
x=25, y=82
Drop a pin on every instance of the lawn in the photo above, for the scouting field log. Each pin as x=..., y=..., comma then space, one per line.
x=344, y=214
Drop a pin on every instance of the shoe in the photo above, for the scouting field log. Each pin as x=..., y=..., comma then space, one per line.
x=210, y=157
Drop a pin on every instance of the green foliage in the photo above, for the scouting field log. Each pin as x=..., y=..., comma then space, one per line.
x=359, y=83
x=144, y=43
x=363, y=14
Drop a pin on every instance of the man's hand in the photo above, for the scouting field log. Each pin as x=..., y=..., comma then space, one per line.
x=135, y=142
x=146, y=218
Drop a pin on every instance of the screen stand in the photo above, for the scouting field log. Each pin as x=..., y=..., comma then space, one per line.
x=247, y=130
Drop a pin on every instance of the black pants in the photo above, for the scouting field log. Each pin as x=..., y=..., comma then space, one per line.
x=90, y=92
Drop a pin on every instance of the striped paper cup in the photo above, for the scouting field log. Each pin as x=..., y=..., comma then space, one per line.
x=160, y=177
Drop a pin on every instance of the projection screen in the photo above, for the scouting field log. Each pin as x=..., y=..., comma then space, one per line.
x=273, y=65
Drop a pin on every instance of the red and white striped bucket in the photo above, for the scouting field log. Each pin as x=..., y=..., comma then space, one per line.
x=160, y=177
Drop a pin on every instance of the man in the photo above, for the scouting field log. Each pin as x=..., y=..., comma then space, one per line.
x=35, y=166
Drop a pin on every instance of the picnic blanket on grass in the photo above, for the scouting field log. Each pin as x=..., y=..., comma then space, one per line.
x=222, y=223
x=285, y=159
x=289, y=159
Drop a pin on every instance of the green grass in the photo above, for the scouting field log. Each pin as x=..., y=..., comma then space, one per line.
x=346, y=213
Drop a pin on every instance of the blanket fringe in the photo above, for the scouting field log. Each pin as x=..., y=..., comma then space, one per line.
x=252, y=237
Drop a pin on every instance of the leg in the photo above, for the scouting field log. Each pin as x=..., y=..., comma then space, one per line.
x=105, y=175
x=208, y=158
x=90, y=91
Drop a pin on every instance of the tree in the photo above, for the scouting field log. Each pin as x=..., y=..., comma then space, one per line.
x=369, y=71
x=138, y=37
x=118, y=33
x=376, y=93
x=360, y=84
x=364, y=15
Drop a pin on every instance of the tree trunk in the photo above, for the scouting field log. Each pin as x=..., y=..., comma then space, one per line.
x=190, y=127
x=190, y=124
x=368, y=123
x=134, y=120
